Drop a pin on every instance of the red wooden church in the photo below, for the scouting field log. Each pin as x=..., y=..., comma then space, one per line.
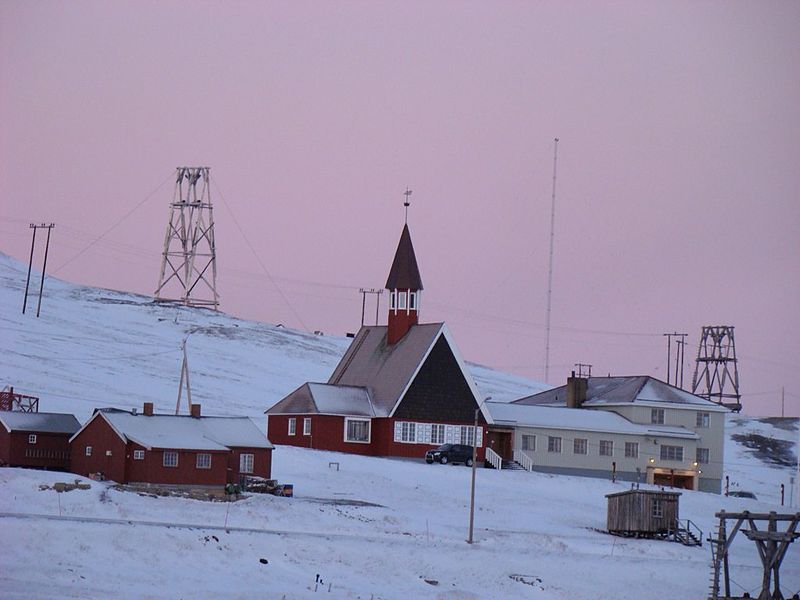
x=399, y=390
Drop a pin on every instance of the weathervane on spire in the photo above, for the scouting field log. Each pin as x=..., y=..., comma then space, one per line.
x=407, y=194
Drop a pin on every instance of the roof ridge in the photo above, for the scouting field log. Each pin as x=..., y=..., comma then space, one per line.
x=341, y=368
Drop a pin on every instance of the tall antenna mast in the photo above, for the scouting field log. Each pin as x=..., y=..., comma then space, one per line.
x=550, y=270
x=407, y=203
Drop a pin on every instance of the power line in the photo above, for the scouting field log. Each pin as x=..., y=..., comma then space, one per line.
x=258, y=258
x=114, y=226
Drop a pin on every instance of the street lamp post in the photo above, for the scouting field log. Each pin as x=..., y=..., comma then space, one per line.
x=474, y=467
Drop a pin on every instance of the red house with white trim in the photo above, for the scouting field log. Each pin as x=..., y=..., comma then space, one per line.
x=181, y=450
x=399, y=390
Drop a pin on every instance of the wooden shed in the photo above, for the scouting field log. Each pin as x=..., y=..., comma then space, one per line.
x=643, y=513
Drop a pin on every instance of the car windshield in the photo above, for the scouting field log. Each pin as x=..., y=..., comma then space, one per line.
x=444, y=447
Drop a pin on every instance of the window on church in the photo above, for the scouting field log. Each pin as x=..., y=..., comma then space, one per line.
x=437, y=434
x=412, y=301
x=356, y=430
x=401, y=300
x=393, y=300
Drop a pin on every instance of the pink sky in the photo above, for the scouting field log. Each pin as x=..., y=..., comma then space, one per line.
x=677, y=186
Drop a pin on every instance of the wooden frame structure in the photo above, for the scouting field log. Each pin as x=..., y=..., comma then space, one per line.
x=189, y=246
x=21, y=402
x=771, y=544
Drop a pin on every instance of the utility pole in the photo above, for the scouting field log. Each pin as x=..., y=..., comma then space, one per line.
x=364, y=292
x=550, y=269
x=679, y=349
x=474, y=460
x=30, y=265
x=783, y=399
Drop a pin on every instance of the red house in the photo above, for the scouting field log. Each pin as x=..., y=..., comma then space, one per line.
x=37, y=440
x=399, y=390
x=190, y=450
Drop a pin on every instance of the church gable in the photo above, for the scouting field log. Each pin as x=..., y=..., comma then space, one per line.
x=440, y=391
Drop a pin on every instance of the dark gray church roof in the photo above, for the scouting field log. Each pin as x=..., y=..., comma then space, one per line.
x=404, y=274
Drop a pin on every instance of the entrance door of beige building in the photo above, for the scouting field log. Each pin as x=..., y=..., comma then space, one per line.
x=674, y=478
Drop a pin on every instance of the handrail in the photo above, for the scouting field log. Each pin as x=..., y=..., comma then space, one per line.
x=494, y=459
x=690, y=525
x=523, y=459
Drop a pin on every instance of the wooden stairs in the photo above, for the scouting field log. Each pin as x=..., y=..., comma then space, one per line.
x=687, y=533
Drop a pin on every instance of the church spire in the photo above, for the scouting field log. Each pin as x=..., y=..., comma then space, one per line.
x=405, y=288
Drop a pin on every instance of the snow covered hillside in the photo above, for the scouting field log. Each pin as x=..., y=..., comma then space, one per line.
x=374, y=528
x=94, y=347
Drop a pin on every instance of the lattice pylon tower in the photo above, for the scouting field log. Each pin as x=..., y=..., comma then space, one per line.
x=189, y=261
x=716, y=372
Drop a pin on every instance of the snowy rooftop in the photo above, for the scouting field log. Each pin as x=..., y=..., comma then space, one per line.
x=618, y=390
x=43, y=422
x=326, y=399
x=577, y=419
x=383, y=368
x=179, y=431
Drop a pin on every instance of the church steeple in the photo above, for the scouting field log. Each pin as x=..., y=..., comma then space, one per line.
x=405, y=288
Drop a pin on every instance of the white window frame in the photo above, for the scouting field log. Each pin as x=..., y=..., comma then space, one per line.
x=292, y=426
x=402, y=300
x=168, y=463
x=657, y=416
x=469, y=438
x=631, y=449
x=347, y=421
x=246, y=463
x=658, y=508
x=606, y=448
x=306, y=425
x=554, y=441
x=203, y=460
x=703, y=453
x=32, y=438
x=393, y=300
x=138, y=455
x=703, y=420
x=412, y=301
x=408, y=432
x=672, y=453
x=528, y=442
x=580, y=446
x=88, y=451
x=438, y=434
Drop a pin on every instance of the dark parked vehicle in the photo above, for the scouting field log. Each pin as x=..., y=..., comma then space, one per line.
x=450, y=453
x=742, y=494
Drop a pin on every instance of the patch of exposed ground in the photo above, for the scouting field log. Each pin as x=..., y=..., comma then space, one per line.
x=768, y=450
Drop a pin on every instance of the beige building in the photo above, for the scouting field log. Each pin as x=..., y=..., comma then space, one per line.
x=631, y=428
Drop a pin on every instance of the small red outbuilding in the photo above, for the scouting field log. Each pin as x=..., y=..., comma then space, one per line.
x=191, y=450
x=37, y=440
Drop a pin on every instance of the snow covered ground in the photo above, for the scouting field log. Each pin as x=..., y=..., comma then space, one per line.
x=375, y=528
